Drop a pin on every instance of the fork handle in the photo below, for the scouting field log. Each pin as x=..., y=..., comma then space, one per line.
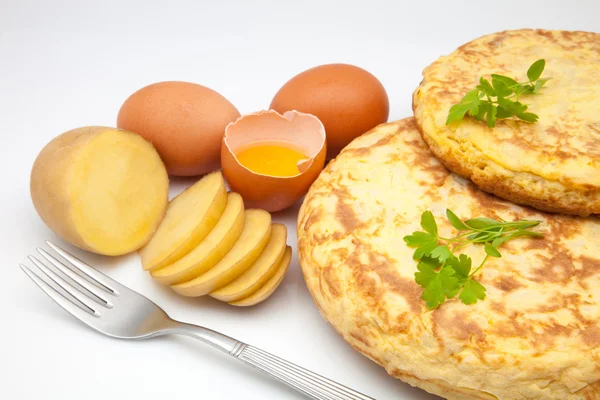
x=309, y=383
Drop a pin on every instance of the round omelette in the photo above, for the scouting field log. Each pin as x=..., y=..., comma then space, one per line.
x=552, y=164
x=535, y=336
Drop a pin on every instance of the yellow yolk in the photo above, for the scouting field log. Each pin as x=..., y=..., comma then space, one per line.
x=271, y=159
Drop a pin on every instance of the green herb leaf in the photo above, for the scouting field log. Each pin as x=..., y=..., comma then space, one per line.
x=475, y=235
x=470, y=102
x=525, y=224
x=526, y=89
x=491, y=116
x=461, y=266
x=472, y=291
x=457, y=113
x=428, y=278
x=434, y=294
x=526, y=234
x=492, y=251
x=455, y=221
x=486, y=237
x=529, y=117
x=501, y=88
x=499, y=241
x=464, y=268
x=539, y=84
x=441, y=252
x=536, y=69
x=418, y=238
x=434, y=262
x=509, y=82
x=437, y=285
x=512, y=106
x=426, y=273
x=518, y=92
x=443, y=274
x=482, y=110
x=499, y=99
x=486, y=87
x=428, y=223
x=519, y=107
x=425, y=250
x=450, y=282
x=481, y=223
x=502, y=113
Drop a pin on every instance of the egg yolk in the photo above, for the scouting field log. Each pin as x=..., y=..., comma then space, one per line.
x=278, y=159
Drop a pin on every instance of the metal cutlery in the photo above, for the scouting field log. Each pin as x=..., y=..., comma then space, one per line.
x=117, y=311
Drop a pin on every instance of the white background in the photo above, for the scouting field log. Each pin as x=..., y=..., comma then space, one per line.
x=65, y=64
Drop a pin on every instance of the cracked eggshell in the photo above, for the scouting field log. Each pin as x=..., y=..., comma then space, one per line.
x=302, y=131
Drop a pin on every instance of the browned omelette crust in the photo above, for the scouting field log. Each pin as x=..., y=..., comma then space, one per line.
x=536, y=335
x=553, y=164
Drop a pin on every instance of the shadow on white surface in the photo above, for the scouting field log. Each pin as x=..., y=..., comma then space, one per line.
x=233, y=367
x=292, y=301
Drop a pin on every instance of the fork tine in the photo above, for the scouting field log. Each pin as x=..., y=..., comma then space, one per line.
x=101, y=279
x=66, y=286
x=96, y=294
x=61, y=300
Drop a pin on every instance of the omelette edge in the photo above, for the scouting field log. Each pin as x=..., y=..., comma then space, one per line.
x=317, y=281
x=519, y=186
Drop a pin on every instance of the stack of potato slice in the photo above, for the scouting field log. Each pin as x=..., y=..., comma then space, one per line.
x=208, y=244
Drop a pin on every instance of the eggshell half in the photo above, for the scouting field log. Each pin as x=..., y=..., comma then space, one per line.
x=302, y=131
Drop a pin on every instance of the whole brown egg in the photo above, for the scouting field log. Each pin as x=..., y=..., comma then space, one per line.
x=348, y=100
x=184, y=121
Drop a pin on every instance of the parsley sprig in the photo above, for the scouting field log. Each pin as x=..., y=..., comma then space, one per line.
x=500, y=98
x=441, y=272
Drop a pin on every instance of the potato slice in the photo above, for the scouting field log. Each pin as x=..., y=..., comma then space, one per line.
x=252, y=241
x=270, y=286
x=210, y=250
x=102, y=189
x=190, y=217
x=260, y=272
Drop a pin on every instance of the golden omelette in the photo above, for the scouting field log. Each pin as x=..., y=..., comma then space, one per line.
x=553, y=164
x=535, y=336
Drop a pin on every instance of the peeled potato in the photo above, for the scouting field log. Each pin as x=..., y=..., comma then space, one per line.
x=270, y=286
x=249, y=246
x=210, y=250
x=190, y=217
x=260, y=272
x=102, y=189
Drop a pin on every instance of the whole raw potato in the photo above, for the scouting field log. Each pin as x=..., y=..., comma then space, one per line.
x=104, y=190
x=184, y=121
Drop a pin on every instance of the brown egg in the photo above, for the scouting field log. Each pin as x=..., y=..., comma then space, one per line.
x=347, y=99
x=184, y=121
x=294, y=130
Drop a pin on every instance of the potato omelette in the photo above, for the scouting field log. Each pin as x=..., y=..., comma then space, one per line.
x=552, y=164
x=535, y=336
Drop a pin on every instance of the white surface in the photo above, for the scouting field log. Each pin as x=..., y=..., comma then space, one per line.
x=69, y=64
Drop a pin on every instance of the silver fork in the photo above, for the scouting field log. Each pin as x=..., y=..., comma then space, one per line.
x=117, y=311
